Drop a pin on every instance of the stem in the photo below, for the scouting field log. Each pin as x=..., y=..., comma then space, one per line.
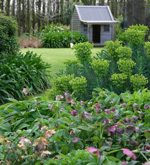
x=144, y=156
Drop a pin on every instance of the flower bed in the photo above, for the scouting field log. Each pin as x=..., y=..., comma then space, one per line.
x=109, y=129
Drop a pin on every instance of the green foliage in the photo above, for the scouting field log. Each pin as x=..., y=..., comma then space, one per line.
x=135, y=37
x=138, y=81
x=111, y=48
x=100, y=67
x=125, y=66
x=140, y=28
x=79, y=85
x=62, y=83
x=21, y=71
x=9, y=43
x=124, y=52
x=147, y=47
x=59, y=36
x=39, y=131
x=83, y=51
x=119, y=79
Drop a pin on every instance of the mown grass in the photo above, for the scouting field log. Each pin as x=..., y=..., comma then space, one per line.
x=56, y=57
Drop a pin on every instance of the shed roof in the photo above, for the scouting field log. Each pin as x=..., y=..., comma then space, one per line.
x=95, y=14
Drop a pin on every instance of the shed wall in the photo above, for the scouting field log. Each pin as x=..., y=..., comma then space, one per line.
x=105, y=36
x=75, y=22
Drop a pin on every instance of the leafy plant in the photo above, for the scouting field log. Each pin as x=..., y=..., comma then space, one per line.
x=22, y=71
x=59, y=36
x=79, y=85
x=83, y=51
x=111, y=48
x=138, y=81
x=9, y=43
x=124, y=52
x=125, y=66
x=100, y=67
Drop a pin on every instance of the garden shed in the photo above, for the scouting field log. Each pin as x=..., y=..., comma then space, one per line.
x=95, y=22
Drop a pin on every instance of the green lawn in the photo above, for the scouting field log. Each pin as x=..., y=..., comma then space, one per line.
x=56, y=57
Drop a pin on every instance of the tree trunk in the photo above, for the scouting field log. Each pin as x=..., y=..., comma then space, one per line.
x=7, y=7
x=13, y=7
x=39, y=15
x=28, y=17
x=33, y=15
x=139, y=12
x=23, y=16
x=130, y=12
x=18, y=15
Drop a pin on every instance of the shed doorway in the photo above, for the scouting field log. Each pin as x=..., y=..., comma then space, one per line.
x=96, y=33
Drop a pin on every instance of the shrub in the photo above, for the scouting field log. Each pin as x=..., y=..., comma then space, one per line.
x=79, y=85
x=22, y=71
x=100, y=67
x=111, y=48
x=83, y=51
x=138, y=81
x=140, y=28
x=62, y=83
x=124, y=52
x=147, y=47
x=125, y=66
x=9, y=44
x=59, y=36
x=118, y=79
x=135, y=37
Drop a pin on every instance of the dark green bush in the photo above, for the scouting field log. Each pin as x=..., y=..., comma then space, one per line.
x=9, y=43
x=59, y=36
x=21, y=71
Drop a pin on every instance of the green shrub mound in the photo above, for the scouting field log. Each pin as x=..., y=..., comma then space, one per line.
x=108, y=129
x=22, y=71
x=118, y=67
x=9, y=43
x=59, y=36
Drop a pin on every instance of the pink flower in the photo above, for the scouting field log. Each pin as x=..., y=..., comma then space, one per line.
x=72, y=132
x=113, y=109
x=44, y=153
x=85, y=115
x=74, y=112
x=112, y=129
x=68, y=100
x=94, y=151
x=123, y=105
x=107, y=111
x=72, y=101
x=128, y=153
x=22, y=143
x=146, y=163
x=50, y=132
x=25, y=91
x=75, y=140
x=50, y=106
x=147, y=147
x=98, y=107
x=107, y=121
x=82, y=103
x=130, y=129
x=43, y=128
x=59, y=97
x=124, y=163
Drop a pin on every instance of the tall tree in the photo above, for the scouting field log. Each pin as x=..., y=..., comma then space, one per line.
x=23, y=21
x=7, y=7
x=28, y=17
x=33, y=16
x=13, y=7
x=18, y=15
